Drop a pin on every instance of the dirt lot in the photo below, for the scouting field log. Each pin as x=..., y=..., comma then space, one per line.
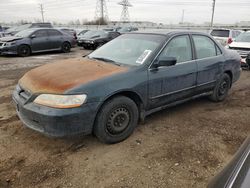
x=180, y=147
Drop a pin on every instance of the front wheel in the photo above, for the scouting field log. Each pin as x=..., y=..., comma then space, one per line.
x=116, y=120
x=222, y=88
x=24, y=51
x=66, y=47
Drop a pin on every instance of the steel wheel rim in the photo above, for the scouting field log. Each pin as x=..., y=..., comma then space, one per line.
x=118, y=121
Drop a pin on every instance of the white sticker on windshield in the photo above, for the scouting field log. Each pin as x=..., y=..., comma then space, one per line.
x=143, y=57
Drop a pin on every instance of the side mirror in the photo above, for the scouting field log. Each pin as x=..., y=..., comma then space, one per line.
x=165, y=61
x=33, y=36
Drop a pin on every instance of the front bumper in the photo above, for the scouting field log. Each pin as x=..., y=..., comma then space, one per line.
x=12, y=50
x=56, y=122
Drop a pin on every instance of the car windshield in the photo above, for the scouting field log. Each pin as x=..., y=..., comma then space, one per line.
x=243, y=37
x=220, y=33
x=19, y=28
x=91, y=34
x=24, y=33
x=129, y=49
x=82, y=32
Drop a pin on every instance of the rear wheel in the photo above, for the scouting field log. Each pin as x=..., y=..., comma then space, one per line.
x=222, y=88
x=66, y=47
x=116, y=120
x=23, y=51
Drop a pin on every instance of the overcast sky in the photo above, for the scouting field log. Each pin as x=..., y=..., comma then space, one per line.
x=160, y=11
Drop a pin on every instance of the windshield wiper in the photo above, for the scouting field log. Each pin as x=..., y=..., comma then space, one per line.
x=106, y=60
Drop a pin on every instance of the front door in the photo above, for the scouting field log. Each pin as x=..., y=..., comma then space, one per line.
x=172, y=83
x=40, y=41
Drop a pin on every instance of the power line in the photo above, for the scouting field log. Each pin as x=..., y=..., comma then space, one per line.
x=182, y=16
x=42, y=11
x=125, y=14
x=212, y=19
x=101, y=12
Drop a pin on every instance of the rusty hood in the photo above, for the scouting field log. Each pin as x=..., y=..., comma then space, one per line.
x=64, y=75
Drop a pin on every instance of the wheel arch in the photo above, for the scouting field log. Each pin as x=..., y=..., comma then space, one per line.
x=134, y=96
x=229, y=72
x=66, y=41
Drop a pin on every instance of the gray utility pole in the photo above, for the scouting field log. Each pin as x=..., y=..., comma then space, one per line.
x=182, y=17
x=101, y=12
x=125, y=14
x=42, y=11
x=212, y=19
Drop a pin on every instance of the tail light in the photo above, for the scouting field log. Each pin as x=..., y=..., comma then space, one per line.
x=229, y=41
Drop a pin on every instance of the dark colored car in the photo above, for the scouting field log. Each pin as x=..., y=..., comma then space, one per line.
x=237, y=173
x=82, y=32
x=69, y=31
x=120, y=83
x=14, y=30
x=36, y=40
x=95, y=39
x=127, y=29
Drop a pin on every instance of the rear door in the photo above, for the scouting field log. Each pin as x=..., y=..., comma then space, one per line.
x=55, y=39
x=209, y=61
x=172, y=83
x=40, y=42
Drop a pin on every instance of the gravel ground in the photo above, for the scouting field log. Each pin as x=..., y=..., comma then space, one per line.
x=183, y=146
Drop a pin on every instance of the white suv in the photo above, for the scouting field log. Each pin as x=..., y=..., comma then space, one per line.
x=225, y=36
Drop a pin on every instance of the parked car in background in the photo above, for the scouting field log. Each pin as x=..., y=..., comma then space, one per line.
x=82, y=32
x=1, y=31
x=237, y=173
x=132, y=76
x=36, y=40
x=69, y=31
x=127, y=29
x=242, y=45
x=2, y=34
x=13, y=30
x=225, y=36
x=95, y=39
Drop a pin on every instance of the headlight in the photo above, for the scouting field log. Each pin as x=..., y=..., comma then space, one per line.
x=10, y=43
x=61, y=101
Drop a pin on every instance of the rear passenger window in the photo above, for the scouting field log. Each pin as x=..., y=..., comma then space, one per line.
x=180, y=48
x=41, y=33
x=204, y=47
x=54, y=33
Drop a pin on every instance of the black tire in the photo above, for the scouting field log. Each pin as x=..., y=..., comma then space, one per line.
x=116, y=120
x=66, y=47
x=222, y=88
x=24, y=50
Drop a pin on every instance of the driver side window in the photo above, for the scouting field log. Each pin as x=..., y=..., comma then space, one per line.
x=179, y=48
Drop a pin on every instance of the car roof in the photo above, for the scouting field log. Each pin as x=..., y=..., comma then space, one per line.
x=40, y=28
x=167, y=32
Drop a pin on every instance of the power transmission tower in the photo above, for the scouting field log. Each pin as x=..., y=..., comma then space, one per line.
x=212, y=19
x=101, y=12
x=125, y=14
x=42, y=11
